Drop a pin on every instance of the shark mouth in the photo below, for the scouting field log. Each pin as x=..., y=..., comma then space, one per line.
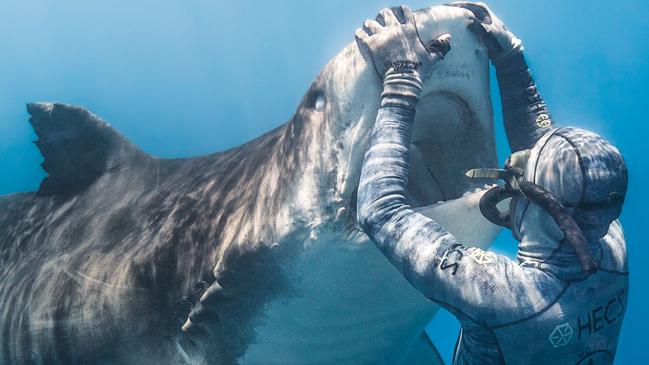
x=447, y=140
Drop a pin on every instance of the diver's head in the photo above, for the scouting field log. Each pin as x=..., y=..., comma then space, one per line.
x=568, y=187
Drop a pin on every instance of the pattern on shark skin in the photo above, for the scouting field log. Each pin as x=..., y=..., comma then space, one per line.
x=102, y=263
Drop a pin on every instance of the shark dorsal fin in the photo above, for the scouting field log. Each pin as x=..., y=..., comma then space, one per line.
x=78, y=147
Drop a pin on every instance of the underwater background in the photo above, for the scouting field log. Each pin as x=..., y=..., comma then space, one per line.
x=184, y=78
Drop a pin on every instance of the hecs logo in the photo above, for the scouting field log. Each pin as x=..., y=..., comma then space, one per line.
x=561, y=335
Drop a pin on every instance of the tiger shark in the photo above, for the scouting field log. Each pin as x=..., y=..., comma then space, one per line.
x=250, y=255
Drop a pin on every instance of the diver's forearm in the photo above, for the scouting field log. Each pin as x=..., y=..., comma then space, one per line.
x=525, y=113
x=384, y=174
x=398, y=231
x=381, y=191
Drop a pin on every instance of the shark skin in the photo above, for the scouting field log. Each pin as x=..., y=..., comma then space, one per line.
x=250, y=255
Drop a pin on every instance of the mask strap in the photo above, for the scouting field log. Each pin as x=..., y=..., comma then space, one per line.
x=565, y=221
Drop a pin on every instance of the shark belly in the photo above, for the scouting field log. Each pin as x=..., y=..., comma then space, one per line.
x=348, y=305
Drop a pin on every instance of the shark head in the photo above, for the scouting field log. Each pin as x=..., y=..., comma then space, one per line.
x=338, y=280
x=453, y=128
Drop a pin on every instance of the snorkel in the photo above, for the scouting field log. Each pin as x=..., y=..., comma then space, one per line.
x=515, y=185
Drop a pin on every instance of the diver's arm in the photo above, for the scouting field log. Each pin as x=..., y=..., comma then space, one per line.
x=525, y=113
x=408, y=239
x=399, y=57
x=470, y=282
x=458, y=278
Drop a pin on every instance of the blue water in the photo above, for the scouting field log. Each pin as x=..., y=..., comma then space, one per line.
x=182, y=78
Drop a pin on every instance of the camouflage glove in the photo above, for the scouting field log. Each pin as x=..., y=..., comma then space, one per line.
x=500, y=42
x=393, y=44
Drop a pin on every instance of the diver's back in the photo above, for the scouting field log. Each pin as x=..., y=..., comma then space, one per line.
x=581, y=328
x=580, y=324
x=583, y=325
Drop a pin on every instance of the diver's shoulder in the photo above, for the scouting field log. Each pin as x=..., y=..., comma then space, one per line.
x=614, y=255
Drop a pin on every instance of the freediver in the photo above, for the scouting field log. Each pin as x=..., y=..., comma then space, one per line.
x=563, y=300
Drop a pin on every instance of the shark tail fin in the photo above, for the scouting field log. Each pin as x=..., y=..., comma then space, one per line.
x=78, y=147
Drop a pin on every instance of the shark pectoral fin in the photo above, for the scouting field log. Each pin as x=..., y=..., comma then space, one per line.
x=78, y=147
x=423, y=351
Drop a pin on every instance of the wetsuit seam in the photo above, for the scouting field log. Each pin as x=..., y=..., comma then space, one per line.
x=527, y=205
x=615, y=272
x=445, y=304
x=536, y=314
x=538, y=156
x=548, y=271
x=581, y=164
x=536, y=165
x=593, y=352
x=500, y=351
x=551, y=273
x=554, y=251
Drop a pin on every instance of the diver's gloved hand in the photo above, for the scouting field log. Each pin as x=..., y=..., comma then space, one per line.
x=393, y=43
x=525, y=113
x=500, y=42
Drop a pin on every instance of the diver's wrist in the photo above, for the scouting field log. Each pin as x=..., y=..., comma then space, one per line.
x=510, y=66
x=401, y=86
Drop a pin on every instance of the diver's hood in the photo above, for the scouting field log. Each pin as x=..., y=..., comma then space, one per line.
x=565, y=193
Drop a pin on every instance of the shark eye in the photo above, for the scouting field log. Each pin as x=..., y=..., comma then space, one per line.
x=315, y=99
x=320, y=103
